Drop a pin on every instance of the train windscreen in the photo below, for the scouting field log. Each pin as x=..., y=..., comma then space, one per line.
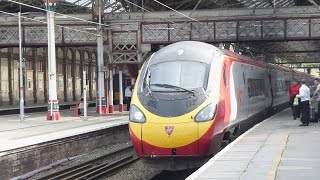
x=178, y=75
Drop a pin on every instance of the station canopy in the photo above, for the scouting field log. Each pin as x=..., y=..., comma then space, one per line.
x=85, y=6
x=292, y=52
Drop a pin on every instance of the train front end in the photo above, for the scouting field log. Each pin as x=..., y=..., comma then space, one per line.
x=175, y=105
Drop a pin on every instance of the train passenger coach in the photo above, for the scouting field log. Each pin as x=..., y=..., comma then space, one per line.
x=190, y=97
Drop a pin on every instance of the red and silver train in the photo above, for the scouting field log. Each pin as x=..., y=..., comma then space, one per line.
x=190, y=97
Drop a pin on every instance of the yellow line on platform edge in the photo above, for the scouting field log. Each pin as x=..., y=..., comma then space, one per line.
x=276, y=161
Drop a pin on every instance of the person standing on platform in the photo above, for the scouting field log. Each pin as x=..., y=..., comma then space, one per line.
x=80, y=107
x=316, y=97
x=128, y=95
x=304, y=95
x=293, y=91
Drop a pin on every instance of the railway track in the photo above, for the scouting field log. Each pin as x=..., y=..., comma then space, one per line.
x=93, y=169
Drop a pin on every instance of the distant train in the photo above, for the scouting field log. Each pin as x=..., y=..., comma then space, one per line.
x=191, y=97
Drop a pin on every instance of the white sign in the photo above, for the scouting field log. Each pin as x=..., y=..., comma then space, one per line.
x=23, y=64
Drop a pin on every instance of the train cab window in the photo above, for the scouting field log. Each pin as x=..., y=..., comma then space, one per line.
x=185, y=74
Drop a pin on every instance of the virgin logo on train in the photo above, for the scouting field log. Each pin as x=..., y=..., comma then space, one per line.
x=169, y=129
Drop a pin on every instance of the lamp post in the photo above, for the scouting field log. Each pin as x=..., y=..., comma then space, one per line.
x=21, y=64
x=20, y=70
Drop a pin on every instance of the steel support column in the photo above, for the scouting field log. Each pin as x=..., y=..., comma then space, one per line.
x=34, y=74
x=90, y=79
x=45, y=74
x=81, y=69
x=53, y=107
x=74, y=76
x=111, y=107
x=65, y=75
x=10, y=77
x=101, y=107
x=120, y=90
x=110, y=73
x=20, y=71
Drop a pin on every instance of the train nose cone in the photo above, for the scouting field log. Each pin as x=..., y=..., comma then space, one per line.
x=169, y=139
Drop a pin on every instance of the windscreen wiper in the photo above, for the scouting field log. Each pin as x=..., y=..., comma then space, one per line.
x=149, y=89
x=173, y=87
x=147, y=84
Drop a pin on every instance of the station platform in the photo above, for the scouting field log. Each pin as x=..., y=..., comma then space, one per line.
x=36, y=129
x=277, y=148
x=14, y=109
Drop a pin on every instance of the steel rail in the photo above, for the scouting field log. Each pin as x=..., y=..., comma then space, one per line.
x=79, y=169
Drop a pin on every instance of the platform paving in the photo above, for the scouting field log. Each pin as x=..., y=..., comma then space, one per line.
x=277, y=148
x=36, y=129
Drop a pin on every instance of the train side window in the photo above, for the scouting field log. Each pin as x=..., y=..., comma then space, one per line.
x=287, y=84
x=225, y=75
x=244, y=79
x=255, y=87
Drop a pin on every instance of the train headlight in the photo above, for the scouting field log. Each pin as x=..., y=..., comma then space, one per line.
x=206, y=114
x=136, y=115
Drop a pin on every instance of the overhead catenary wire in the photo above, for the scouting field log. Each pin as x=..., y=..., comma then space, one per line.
x=64, y=15
x=199, y=1
x=148, y=11
x=195, y=7
x=12, y=14
x=79, y=19
x=106, y=25
x=176, y=11
x=314, y=3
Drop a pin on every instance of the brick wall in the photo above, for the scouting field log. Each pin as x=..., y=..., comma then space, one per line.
x=20, y=161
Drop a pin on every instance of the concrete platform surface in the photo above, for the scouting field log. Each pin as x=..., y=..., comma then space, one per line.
x=38, y=105
x=36, y=129
x=277, y=148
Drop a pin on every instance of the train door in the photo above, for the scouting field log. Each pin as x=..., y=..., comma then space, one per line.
x=271, y=88
x=245, y=101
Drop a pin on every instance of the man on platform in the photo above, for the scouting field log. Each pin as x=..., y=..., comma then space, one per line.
x=293, y=91
x=304, y=95
x=128, y=95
